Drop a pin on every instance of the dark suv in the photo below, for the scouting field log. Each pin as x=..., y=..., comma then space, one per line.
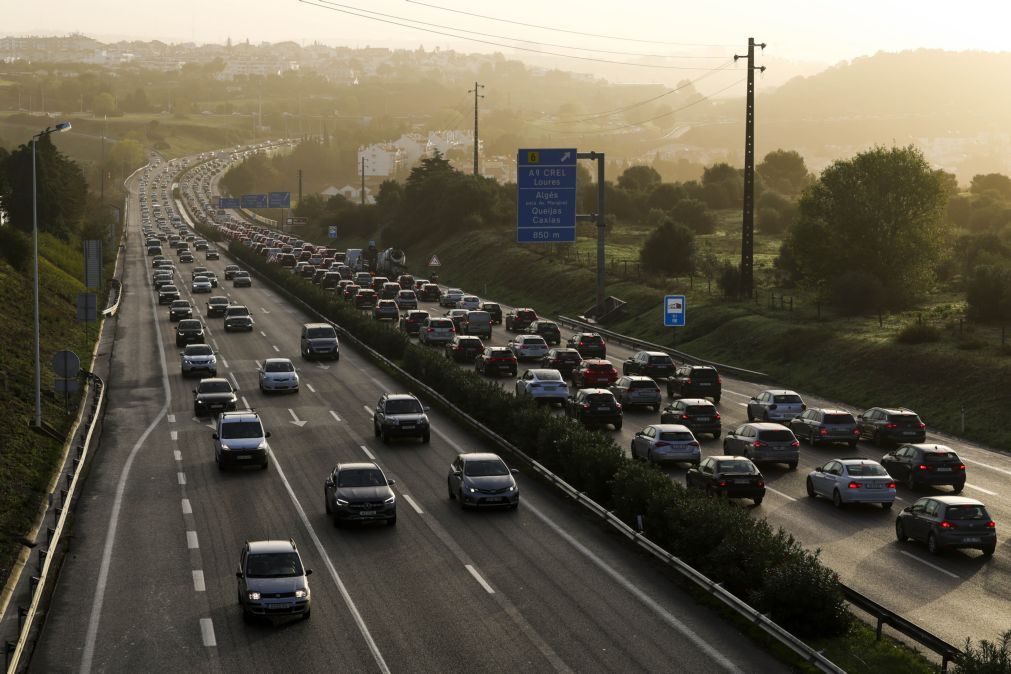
x=653, y=364
x=925, y=464
x=359, y=492
x=496, y=360
x=189, y=331
x=890, y=425
x=216, y=306
x=180, y=309
x=593, y=406
x=695, y=381
x=493, y=309
x=412, y=320
x=272, y=580
x=518, y=320
x=698, y=414
x=564, y=360
x=588, y=344
x=400, y=415
x=546, y=329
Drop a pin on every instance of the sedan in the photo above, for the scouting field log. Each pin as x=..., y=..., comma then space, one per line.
x=482, y=479
x=496, y=360
x=948, y=522
x=242, y=279
x=168, y=294
x=852, y=481
x=230, y=270
x=527, y=347
x=200, y=284
x=543, y=385
x=278, y=374
x=180, y=309
x=727, y=476
x=666, y=443
x=450, y=297
x=189, y=331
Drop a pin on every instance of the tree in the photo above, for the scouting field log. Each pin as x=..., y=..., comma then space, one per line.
x=669, y=250
x=62, y=189
x=128, y=154
x=103, y=104
x=666, y=196
x=136, y=101
x=707, y=262
x=775, y=213
x=785, y=172
x=642, y=179
x=723, y=186
x=992, y=182
x=879, y=213
x=692, y=213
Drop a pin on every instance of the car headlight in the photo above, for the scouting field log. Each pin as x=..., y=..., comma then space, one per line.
x=391, y=499
x=301, y=594
x=394, y=421
x=254, y=596
x=341, y=502
x=472, y=490
x=512, y=487
x=225, y=448
x=262, y=446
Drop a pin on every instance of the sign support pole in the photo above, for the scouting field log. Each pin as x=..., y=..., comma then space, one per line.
x=598, y=217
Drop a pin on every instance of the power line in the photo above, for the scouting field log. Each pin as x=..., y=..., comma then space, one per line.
x=562, y=30
x=334, y=7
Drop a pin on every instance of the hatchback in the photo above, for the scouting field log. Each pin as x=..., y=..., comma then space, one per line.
x=948, y=522
x=386, y=310
x=242, y=279
x=278, y=374
x=775, y=405
x=588, y=344
x=764, y=443
x=852, y=481
x=493, y=309
x=406, y=299
x=450, y=297
x=272, y=580
x=464, y=348
x=520, y=319
x=922, y=464
x=436, y=331
x=594, y=406
x=482, y=479
x=666, y=443
x=728, y=476
x=654, y=364
x=825, y=425
x=594, y=372
x=546, y=329
x=411, y=321
x=637, y=391
x=698, y=414
x=564, y=360
x=496, y=360
x=469, y=302
x=543, y=385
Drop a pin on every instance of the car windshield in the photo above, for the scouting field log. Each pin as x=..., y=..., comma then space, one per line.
x=440, y=324
x=189, y=325
x=905, y=419
x=783, y=435
x=238, y=311
x=274, y=565
x=966, y=512
x=600, y=399
x=599, y=367
x=676, y=436
x=403, y=406
x=500, y=353
x=866, y=470
x=643, y=384
x=568, y=356
x=279, y=366
x=939, y=457
x=735, y=467
x=485, y=468
x=180, y=304
x=549, y=375
x=241, y=273
x=241, y=429
x=791, y=398
x=199, y=350
x=360, y=477
x=214, y=387
x=659, y=360
x=839, y=419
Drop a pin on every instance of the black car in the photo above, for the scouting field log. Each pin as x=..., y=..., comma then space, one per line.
x=698, y=414
x=411, y=321
x=493, y=309
x=921, y=464
x=727, y=476
x=186, y=256
x=180, y=309
x=400, y=415
x=482, y=479
x=359, y=492
x=168, y=294
x=594, y=406
x=948, y=522
x=213, y=395
x=518, y=320
x=242, y=279
x=653, y=364
x=588, y=344
x=496, y=360
x=883, y=425
x=216, y=306
x=230, y=270
x=695, y=381
x=430, y=292
x=464, y=348
x=546, y=329
x=564, y=360
x=189, y=331
x=211, y=254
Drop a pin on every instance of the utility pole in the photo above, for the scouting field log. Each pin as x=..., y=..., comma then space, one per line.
x=101, y=166
x=476, y=96
x=363, y=181
x=300, y=187
x=748, y=219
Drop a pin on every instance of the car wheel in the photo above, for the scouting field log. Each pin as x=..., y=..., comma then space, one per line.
x=792, y=465
x=649, y=457
x=900, y=532
x=852, y=443
x=758, y=500
x=716, y=435
x=326, y=503
x=308, y=612
x=617, y=426
x=452, y=494
x=911, y=481
x=726, y=449
x=392, y=522
x=375, y=428
x=887, y=506
x=876, y=438
x=716, y=400
x=751, y=417
x=385, y=436
x=459, y=496
x=837, y=499
x=988, y=550
x=810, y=489
x=811, y=440
x=957, y=488
x=932, y=546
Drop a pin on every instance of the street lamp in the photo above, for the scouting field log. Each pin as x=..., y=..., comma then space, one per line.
x=59, y=128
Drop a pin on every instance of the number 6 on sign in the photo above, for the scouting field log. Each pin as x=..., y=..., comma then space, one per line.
x=674, y=311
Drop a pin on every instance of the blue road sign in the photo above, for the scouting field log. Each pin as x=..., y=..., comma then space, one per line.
x=279, y=200
x=331, y=232
x=228, y=202
x=546, y=195
x=674, y=311
x=253, y=201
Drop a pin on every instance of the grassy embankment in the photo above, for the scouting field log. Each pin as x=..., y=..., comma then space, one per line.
x=848, y=359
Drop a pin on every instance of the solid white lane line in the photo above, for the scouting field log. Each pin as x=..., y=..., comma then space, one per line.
x=181, y=477
x=479, y=579
x=779, y=493
x=348, y=601
x=187, y=508
x=935, y=567
x=177, y=454
x=245, y=403
x=171, y=418
x=414, y=505
x=985, y=491
x=368, y=410
x=986, y=465
x=174, y=435
x=367, y=452
x=207, y=632
x=235, y=381
x=275, y=348
x=198, y=581
x=743, y=404
x=224, y=363
x=191, y=540
x=335, y=416
x=312, y=390
x=257, y=364
x=735, y=393
x=214, y=342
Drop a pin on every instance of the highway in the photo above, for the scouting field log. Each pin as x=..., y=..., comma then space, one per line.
x=149, y=583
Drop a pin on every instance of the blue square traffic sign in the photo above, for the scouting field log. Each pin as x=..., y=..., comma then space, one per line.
x=546, y=195
x=674, y=311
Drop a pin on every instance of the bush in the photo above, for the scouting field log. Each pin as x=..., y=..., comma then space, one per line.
x=988, y=293
x=856, y=292
x=16, y=248
x=729, y=281
x=918, y=333
x=987, y=658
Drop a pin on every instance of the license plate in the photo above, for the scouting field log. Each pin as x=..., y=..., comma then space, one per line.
x=909, y=432
x=368, y=512
x=242, y=457
x=494, y=499
x=602, y=409
x=742, y=481
x=944, y=470
x=701, y=419
x=972, y=539
x=408, y=427
x=215, y=407
x=704, y=384
x=874, y=486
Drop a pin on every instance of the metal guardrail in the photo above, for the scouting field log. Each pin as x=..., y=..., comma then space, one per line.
x=113, y=309
x=885, y=616
x=763, y=622
x=641, y=344
x=55, y=535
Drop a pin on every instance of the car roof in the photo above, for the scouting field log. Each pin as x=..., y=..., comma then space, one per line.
x=597, y=361
x=856, y=460
x=269, y=547
x=957, y=500
x=480, y=456
x=401, y=396
x=828, y=410
x=932, y=449
x=729, y=457
x=596, y=390
x=766, y=425
x=638, y=377
x=316, y=325
x=780, y=391
x=357, y=465
x=276, y=360
x=214, y=380
x=695, y=401
x=671, y=427
x=656, y=353
x=895, y=410
x=238, y=415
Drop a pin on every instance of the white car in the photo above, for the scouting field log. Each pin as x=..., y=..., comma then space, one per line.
x=450, y=297
x=543, y=384
x=278, y=374
x=666, y=443
x=201, y=284
x=528, y=347
x=852, y=481
x=469, y=302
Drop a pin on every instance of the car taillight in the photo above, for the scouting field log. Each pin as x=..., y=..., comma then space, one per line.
x=795, y=443
x=923, y=467
x=586, y=406
x=822, y=431
x=856, y=431
x=717, y=415
x=719, y=380
x=922, y=425
x=694, y=443
x=723, y=483
x=891, y=485
x=961, y=466
x=948, y=525
x=758, y=443
x=991, y=525
x=618, y=405
x=688, y=381
x=684, y=417
x=429, y=329
x=582, y=344
x=854, y=485
x=891, y=426
x=760, y=483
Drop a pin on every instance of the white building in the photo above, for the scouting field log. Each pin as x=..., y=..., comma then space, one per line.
x=382, y=160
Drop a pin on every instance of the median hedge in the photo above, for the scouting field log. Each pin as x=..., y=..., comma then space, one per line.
x=765, y=566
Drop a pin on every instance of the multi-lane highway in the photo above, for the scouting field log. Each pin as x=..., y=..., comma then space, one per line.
x=150, y=583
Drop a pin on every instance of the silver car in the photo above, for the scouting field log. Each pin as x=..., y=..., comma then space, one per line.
x=199, y=359
x=666, y=443
x=764, y=443
x=436, y=331
x=637, y=390
x=852, y=481
x=450, y=297
x=775, y=405
x=407, y=299
x=278, y=374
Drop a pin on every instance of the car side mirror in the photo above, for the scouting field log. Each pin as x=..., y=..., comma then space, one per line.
x=456, y=473
x=391, y=482
x=328, y=482
x=194, y=390
x=514, y=471
x=214, y=436
x=638, y=433
x=238, y=574
x=426, y=408
x=907, y=509
x=308, y=572
x=754, y=399
x=267, y=434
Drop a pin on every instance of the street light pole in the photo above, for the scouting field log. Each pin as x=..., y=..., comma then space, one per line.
x=59, y=128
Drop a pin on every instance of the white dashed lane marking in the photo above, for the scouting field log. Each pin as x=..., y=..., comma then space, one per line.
x=335, y=416
x=367, y=452
x=174, y=435
x=985, y=491
x=479, y=579
x=171, y=418
x=414, y=505
x=312, y=390
x=207, y=632
x=191, y=540
x=198, y=581
x=187, y=508
x=779, y=493
x=177, y=454
x=181, y=477
x=933, y=566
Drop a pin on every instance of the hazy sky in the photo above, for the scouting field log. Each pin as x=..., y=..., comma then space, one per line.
x=822, y=31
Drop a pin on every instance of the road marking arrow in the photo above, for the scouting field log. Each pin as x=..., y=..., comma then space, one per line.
x=298, y=422
x=322, y=366
x=264, y=310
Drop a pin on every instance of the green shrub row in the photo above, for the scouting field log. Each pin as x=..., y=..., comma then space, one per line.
x=764, y=566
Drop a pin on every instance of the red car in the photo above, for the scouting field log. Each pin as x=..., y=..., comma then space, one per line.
x=594, y=373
